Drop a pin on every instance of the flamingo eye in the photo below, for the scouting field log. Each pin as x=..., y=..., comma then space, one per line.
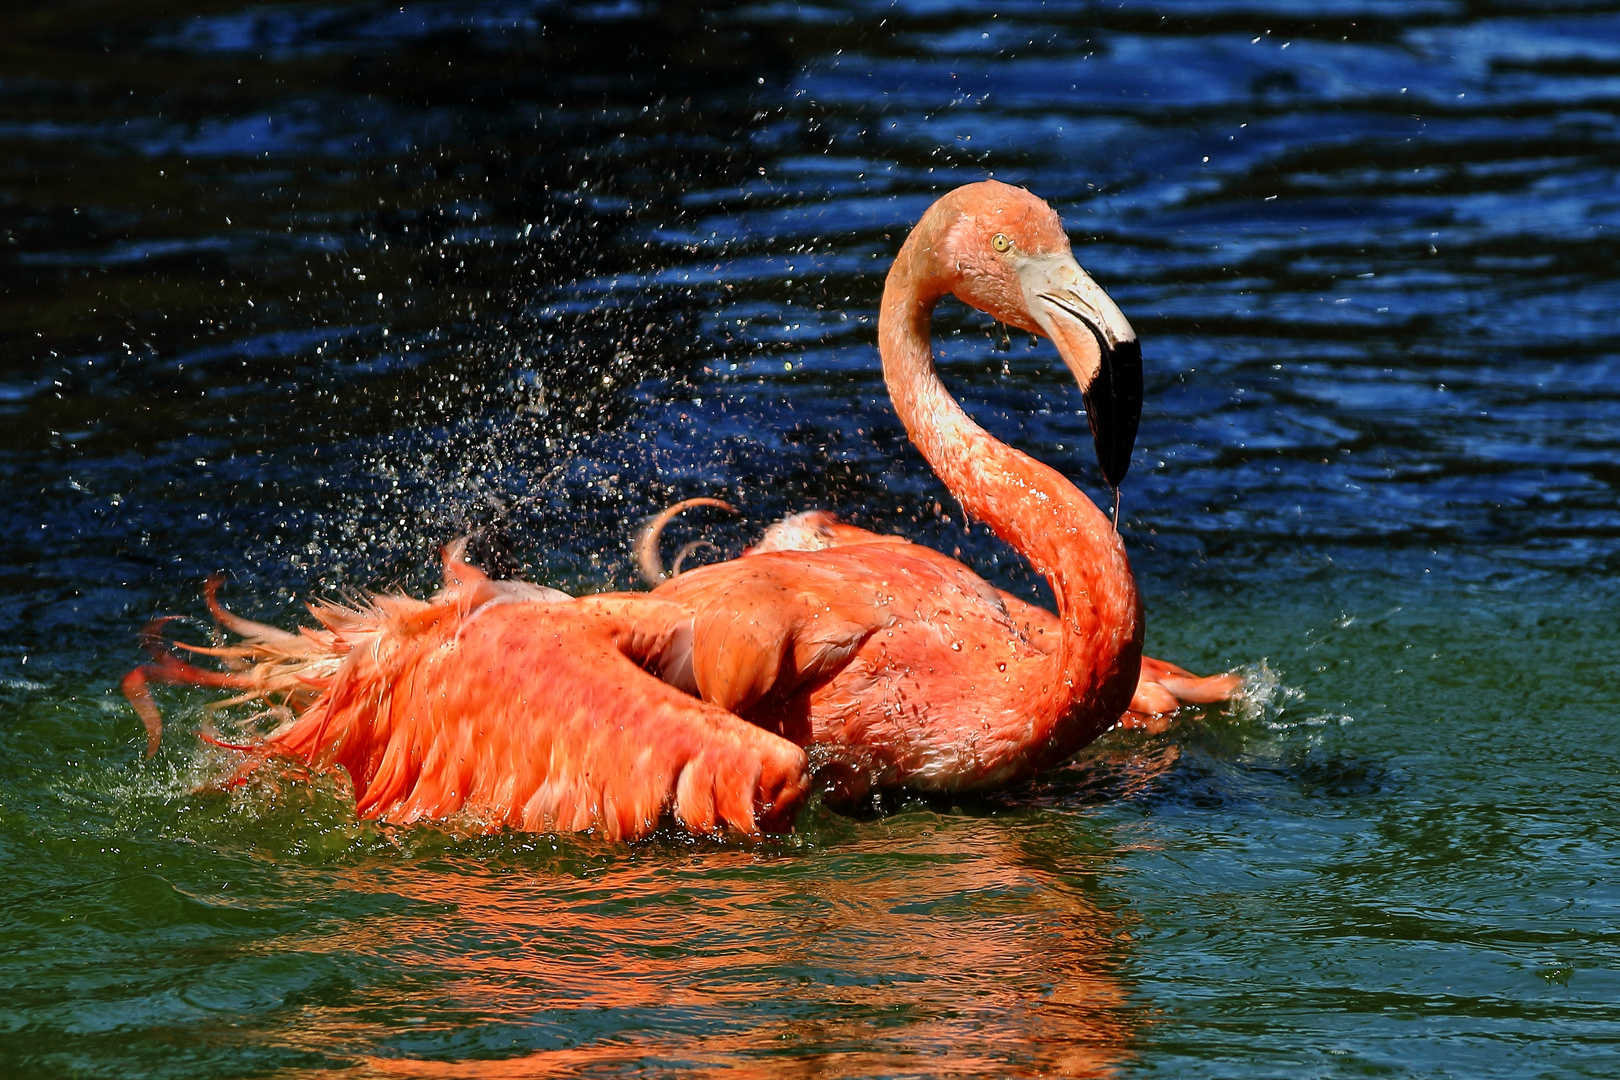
x=1000, y=242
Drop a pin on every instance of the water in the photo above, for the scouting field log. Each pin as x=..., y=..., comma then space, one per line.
x=301, y=292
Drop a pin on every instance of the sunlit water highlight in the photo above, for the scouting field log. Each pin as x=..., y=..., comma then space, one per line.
x=301, y=292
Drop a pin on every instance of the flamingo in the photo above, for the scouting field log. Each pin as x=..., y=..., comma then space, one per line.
x=827, y=658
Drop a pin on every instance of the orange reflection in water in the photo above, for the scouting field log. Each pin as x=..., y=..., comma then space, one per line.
x=957, y=947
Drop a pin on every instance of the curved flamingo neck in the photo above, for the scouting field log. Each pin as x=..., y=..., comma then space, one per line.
x=1031, y=506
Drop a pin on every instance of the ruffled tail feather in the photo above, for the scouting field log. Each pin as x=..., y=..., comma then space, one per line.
x=287, y=671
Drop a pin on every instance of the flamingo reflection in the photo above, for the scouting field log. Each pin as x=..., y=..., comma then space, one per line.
x=970, y=950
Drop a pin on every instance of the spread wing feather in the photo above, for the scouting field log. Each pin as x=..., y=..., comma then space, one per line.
x=503, y=709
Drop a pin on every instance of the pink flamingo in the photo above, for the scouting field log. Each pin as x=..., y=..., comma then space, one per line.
x=826, y=657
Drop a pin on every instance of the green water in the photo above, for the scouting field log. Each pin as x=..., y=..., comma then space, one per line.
x=1398, y=867
x=301, y=292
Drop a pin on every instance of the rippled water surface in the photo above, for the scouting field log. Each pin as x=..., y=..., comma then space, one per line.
x=300, y=292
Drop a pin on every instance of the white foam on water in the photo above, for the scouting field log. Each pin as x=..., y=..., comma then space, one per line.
x=1265, y=699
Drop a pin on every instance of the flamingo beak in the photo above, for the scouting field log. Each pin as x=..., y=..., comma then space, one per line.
x=1097, y=343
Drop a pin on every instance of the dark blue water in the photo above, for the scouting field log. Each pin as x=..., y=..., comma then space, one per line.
x=301, y=292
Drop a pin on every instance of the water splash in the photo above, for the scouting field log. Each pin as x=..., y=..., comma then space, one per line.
x=1266, y=700
x=1263, y=697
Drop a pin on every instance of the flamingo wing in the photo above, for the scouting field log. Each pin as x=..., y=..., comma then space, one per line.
x=768, y=639
x=502, y=705
x=540, y=717
x=770, y=624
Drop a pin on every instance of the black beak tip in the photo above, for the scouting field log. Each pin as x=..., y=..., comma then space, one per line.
x=1114, y=409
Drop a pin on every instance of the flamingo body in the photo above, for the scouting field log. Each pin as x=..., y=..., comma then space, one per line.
x=897, y=665
x=1161, y=689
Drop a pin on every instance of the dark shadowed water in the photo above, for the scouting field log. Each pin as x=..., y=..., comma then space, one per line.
x=301, y=292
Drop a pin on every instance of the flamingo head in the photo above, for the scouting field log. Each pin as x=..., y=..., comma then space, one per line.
x=1004, y=251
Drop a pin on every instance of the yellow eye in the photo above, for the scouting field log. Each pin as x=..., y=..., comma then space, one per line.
x=1000, y=242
